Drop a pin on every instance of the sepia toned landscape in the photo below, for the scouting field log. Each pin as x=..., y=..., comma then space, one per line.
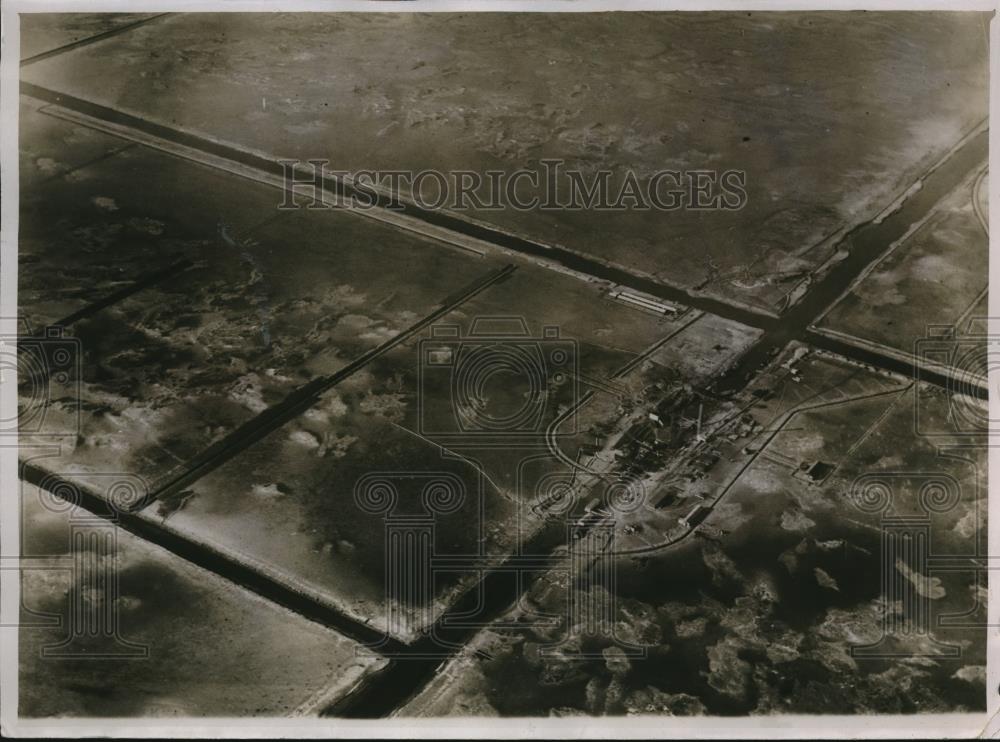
x=285, y=457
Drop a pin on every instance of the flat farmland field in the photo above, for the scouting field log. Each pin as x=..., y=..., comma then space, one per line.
x=941, y=266
x=289, y=504
x=173, y=368
x=831, y=117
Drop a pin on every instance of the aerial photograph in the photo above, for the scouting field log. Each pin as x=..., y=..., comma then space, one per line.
x=411, y=365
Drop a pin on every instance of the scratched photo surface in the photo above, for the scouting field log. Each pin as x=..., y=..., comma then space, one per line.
x=399, y=365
